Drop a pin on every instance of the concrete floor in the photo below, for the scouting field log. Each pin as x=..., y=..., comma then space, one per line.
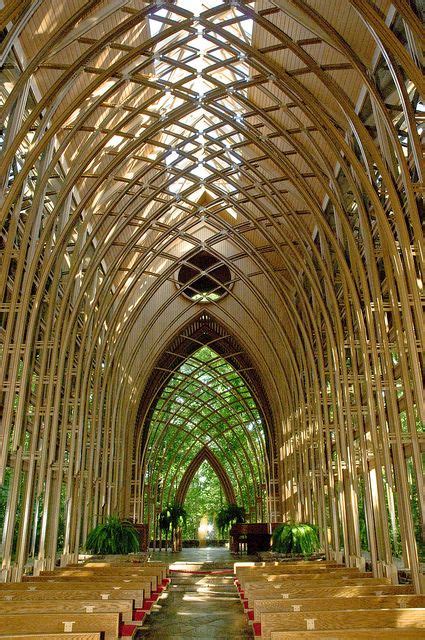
x=198, y=606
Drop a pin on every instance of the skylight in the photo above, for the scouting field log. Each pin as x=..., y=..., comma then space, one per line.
x=201, y=66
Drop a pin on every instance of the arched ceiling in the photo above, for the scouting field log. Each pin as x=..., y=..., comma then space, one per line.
x=173, y=130
x=281, y=136
x=204, y=410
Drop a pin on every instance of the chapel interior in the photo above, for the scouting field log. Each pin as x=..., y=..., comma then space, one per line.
x=211, y=272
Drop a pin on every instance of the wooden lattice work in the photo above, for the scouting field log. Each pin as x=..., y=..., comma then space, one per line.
x=285, y=139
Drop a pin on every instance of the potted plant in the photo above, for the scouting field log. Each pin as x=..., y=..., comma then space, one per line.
x=114, y=536
x=171, y=520
x=228, y=515
x=295, y=539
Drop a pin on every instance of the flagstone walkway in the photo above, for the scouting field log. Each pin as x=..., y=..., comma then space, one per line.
x=201, y=601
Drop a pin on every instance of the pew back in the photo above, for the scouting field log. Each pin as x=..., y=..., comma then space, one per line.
x=339, y=620
x=19, y=623
x=124, y=607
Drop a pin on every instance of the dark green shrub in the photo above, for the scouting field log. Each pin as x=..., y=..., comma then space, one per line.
x=114, y=536
x=228, y=515
x=295, y=539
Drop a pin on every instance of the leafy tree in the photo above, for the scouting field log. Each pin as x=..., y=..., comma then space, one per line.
x=203, y=499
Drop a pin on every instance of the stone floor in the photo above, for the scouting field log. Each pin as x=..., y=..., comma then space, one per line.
x=203, y=606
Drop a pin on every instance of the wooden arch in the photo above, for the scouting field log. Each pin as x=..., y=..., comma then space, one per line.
x=311, y=150
x=205, y=455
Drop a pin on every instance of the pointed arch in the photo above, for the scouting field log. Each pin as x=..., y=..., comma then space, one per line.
x=205, y=454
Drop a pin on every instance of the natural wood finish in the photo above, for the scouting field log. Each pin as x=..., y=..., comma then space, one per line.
x=349, y=634
x=334, y=604
x=329, y=620
x=345, y=591
x=56, y=636
x=108, y=623
x=65, y=606
x=311, y=144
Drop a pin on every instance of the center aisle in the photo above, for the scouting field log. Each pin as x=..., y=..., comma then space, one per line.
x=201, y=602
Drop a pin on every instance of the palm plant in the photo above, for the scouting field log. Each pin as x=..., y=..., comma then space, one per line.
x=227, y=515
x=114, y=536
x=295, y=539
x=171, y=520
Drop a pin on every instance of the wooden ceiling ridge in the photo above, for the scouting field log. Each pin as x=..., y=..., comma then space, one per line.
x=202, y=331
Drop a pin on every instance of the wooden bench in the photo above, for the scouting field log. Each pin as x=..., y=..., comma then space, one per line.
x=65, y=593
x=56, y=636
x=124, y=607
x=350, y=634
x=289, y=585
x=44, y=623
x=156, y=566
x=106, y=571
x=240, y=566
x=147, y=583
x=288, y=577
x=332, y=604
x=326, y=592
x=339, y=620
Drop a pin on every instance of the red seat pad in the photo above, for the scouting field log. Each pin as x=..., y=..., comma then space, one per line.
x=139, y=615
x=127, y=630
x=250, y=613
x=257, y=629
x=245, y=604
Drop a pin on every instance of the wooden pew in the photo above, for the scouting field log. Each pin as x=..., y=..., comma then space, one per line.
x=340, y=620
x=350, y=634
x=240, y=566
x=158, y=566
x=332, y=604
x=108, y=589
x=147, y=583
x=289, y=585
x=56, y=636
x=64, y=594
x=44, y=623
x=123, y=607
x=344, y=591
x=106, y=571
x=305, y=575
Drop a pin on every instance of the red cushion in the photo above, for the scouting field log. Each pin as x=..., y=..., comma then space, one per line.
x=245, y=604
x=147, y=604
x=257, y=629
x=127, y=630
x=250, y=613
x=139, y=615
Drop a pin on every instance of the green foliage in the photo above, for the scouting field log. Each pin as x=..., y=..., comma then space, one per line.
x=114, y=536
x=205, y=403
x=295, y=539
x=172, y=518
x=364, y=541
x=228, y=515
x=203, y=499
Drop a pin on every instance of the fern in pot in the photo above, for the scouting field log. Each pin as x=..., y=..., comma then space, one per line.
x=112, y=537
x=295, y=539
